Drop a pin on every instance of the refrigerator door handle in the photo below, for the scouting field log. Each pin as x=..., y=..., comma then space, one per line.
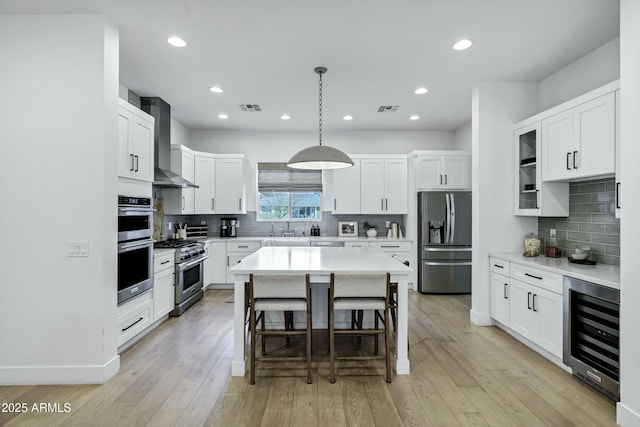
x=446, y=249
x=447, y=225
x=452, y=218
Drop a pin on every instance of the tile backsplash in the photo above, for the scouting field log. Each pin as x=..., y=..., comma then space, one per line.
x=591, y=221
x=250, y=226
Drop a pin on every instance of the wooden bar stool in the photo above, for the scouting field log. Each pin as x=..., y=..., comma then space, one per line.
x=278, y=293
x=355, y=292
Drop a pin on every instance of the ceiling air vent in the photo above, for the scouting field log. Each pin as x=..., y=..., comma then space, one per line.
x=388, y=108
x=251, y=108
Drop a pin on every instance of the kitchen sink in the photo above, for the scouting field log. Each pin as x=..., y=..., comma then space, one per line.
x=285, y=241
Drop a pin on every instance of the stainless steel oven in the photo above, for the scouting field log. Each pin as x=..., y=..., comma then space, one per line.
x=135, y=247
x=592, y=334
x=189, y=284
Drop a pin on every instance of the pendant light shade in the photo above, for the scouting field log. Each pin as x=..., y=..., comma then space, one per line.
x=320, y=156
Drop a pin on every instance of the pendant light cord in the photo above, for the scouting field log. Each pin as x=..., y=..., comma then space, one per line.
x=320, y=109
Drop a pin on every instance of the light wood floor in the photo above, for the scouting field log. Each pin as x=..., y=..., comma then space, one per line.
x=460, y=375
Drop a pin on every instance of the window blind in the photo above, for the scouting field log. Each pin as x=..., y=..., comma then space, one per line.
x=278, y=177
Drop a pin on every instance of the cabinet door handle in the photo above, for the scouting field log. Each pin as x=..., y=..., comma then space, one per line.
x=136, y=157
x=227, y=261
x=497, y=265
x=575, y=165
x=240, y=204
x=617, y=195
x=386, y=204
x=212, y=203
x=445, y=179
x=131, y=162
x=537, y=194
x=529, y=300
x=505, y=290
x=381, y=204
x=534, y=302
x=133, y=324
x=531, y=275
x=165, y=262
x=334, y=204
x=184, y=204
x=568, y=157
x=440, y=179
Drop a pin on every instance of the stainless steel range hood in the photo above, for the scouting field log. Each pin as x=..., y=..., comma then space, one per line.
x=162, y=174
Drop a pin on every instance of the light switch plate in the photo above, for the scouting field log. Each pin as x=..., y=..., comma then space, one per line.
x=78, y=249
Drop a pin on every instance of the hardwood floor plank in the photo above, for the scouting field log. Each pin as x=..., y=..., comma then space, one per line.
x=461, y=374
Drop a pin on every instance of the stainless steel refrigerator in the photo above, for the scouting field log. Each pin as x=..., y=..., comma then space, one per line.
x=444, y=242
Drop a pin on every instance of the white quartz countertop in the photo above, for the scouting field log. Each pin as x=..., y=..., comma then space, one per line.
x=278, y=259
x=602, y=274
x=309, y=238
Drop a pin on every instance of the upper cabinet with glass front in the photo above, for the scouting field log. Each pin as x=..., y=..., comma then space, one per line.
x=532, y=196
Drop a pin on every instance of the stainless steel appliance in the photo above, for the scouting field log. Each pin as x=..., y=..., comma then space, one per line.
x=444, y=242
x=135, y=247
x=228, y=227
x=592, y=334
x=189, y=271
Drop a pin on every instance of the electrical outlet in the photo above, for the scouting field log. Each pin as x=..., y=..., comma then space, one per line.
x=78, y=249
x=169, y=226
x=203, y=222
x=552, y=232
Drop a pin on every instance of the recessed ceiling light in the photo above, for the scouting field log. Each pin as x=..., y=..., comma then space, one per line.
x=285, y=117
x=223, y=116
x=176, y=41
x=462, y=44
x=216, y=89
x=421, y=91
x=347, y=117
x=414, y=117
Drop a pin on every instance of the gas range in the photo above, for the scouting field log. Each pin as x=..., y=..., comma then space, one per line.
x=186, y=250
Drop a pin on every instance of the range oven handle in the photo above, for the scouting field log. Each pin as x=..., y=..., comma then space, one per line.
x=132, y=245
x=188, y=264
x=135, y=210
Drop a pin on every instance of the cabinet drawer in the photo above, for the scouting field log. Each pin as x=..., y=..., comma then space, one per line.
x=163, y=262
x=392, y=246
x=499, y=266
x=251, y=246
x=134, y=318
x=540, y=278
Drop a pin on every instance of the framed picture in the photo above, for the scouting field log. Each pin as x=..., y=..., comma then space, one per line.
x=347, y=229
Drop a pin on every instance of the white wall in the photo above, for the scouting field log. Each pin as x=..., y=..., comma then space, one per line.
x=495, y=108
x=462, y=138
x=628, y=413
x=58, y=178
x=593, y=70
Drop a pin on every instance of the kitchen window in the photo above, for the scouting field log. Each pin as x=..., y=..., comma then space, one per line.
x=288, y=194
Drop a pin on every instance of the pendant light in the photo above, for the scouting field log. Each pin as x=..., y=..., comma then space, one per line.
x=320, y=156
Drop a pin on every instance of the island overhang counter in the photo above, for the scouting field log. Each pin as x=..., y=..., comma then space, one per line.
x=319, y=263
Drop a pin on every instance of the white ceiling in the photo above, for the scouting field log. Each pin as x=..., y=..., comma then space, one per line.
x=377, y=53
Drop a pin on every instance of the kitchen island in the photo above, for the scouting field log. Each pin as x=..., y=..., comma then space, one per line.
x=319, y=263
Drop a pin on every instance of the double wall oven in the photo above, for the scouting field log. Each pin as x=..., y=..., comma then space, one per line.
x=135, y=247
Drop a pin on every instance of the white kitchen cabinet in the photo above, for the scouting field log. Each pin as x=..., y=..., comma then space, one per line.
x=204, y=178
x=135, y=142
x=163, y=284
x=533, y=197
x=618, y=158
x=346, y=189
x=580, y=142
x=218, y=262
x=181, y=201
x=383, y=186
x=236, y=251
x=442, y=172
x=500, y=290
x=133, y=317
x=229, y=186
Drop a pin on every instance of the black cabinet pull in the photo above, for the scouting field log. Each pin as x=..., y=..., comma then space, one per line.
x=617, y=195
x=531, y=275
x=131, y=165
x=334, y=204
x=534, y=302
x=499, y=266
x=133, y=324
x=529, y=300
x=445, y=179
x=568, y=156
x=165, y=262
x=537, y=193
x=575, y=153
x=440, y=179
x=505, y=291
x=136, y=158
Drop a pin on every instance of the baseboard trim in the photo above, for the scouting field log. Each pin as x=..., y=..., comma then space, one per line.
x=480, y=319
x=626, y=416
x=47, y=375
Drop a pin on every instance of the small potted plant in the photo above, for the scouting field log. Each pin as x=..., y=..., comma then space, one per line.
x=372, y=230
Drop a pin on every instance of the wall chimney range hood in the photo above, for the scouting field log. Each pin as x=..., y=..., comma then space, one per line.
x=162, y=174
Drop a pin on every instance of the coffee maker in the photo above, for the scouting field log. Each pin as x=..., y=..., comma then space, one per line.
x=228, y=227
